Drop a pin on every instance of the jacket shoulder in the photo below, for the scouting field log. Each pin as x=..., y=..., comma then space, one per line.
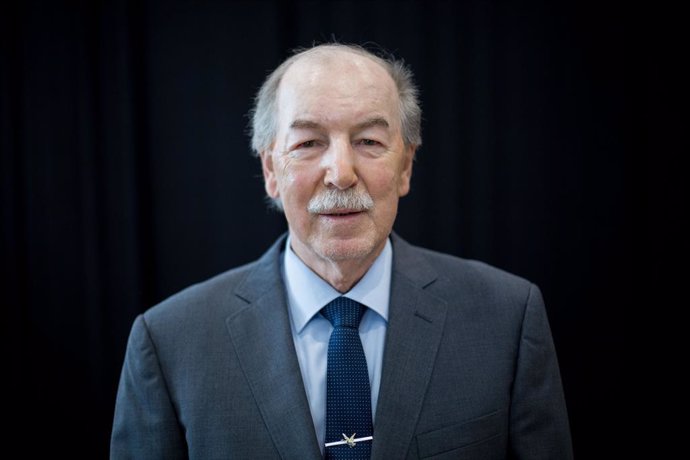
x=468, y=285
x=475, y=271
x=479, y=297
x=211, y=299
x=432, y=267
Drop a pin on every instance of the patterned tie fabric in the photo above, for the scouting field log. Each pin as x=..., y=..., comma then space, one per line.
x=348, y=395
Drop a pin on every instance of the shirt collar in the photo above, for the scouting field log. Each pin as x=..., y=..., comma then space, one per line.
x=308, y=293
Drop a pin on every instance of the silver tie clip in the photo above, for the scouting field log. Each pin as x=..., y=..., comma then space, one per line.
x=350, y=441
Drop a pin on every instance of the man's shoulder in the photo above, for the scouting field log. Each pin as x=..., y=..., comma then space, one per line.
x=454, y=265
x=473, y=291
x=447, y=264
x=452, y=274
x=221, y=296
x=215, y=294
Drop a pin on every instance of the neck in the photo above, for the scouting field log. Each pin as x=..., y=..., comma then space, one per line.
x=342, y=275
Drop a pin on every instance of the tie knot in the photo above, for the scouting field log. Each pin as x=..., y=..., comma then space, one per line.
x=344, y=312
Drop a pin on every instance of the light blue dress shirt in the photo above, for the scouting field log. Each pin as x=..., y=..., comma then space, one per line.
x=307, y=294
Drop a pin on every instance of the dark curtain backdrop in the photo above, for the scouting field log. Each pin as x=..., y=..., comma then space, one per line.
x=126, y=175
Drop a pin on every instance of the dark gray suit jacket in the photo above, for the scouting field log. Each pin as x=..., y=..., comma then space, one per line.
x=469, y=369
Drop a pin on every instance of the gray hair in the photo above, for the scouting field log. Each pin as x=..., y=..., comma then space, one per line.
x=263, y=114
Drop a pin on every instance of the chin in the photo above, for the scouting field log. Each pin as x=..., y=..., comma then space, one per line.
x=340, y=251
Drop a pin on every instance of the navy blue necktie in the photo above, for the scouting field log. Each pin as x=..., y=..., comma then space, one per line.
x=348, y=395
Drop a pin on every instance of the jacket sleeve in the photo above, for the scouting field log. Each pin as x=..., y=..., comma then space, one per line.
x=145, y=425
x=539, y=426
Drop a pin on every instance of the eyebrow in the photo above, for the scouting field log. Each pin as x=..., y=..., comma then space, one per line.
x=304, y=124
x=370, y=123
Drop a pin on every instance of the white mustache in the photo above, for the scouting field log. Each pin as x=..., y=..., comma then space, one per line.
x=333, y=200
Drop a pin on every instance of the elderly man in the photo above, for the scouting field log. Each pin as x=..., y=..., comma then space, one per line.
x=343, y=340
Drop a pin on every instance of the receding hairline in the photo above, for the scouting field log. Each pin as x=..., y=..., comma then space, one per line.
x=322, y=55
x=326, y=52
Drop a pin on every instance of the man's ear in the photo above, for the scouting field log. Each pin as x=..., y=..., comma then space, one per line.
x=270, y=182
x=406, y=171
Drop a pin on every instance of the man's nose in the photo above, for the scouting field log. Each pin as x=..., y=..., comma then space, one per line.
x=339, y=163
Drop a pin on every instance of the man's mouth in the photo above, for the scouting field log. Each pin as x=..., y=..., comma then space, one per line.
x=340, y=213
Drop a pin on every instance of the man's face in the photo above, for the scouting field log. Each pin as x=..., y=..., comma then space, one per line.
x=338, y=133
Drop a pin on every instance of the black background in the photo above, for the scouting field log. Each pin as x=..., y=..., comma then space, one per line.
x=126, y=175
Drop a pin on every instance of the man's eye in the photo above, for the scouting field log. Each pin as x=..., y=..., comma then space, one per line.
x=307, y=144
x=368, y=142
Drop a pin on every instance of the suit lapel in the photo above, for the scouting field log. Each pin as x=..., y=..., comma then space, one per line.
x=263, y=342
x=415, y=327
